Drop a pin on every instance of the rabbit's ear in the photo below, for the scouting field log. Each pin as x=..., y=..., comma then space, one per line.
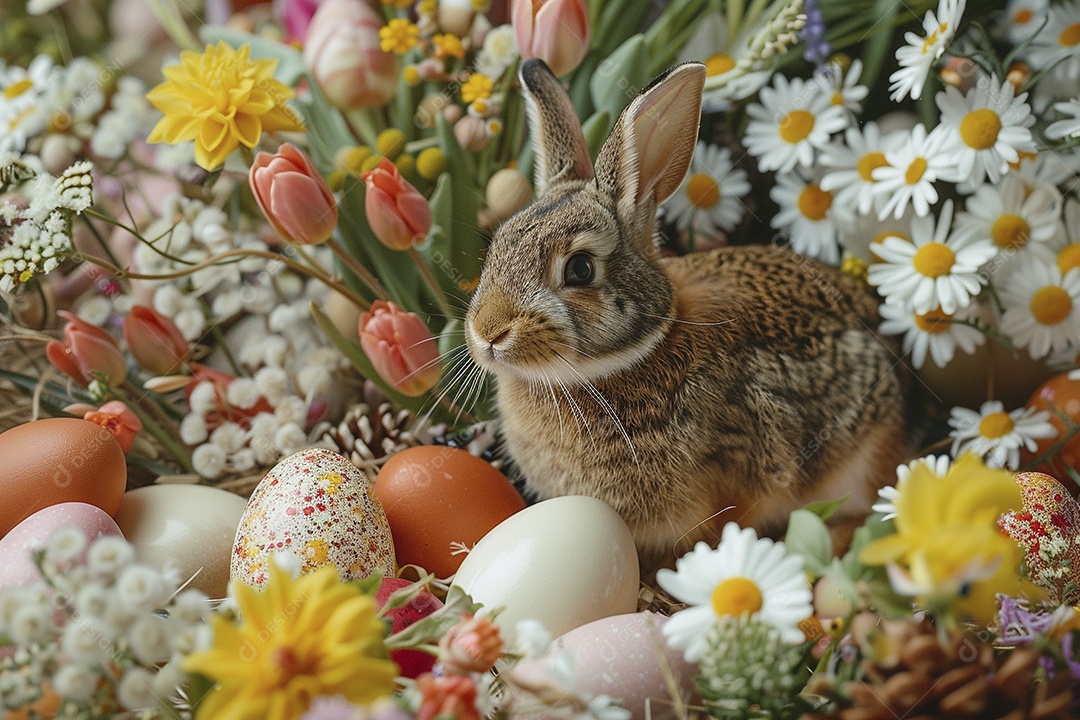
x=558, y=143
x=646, y=156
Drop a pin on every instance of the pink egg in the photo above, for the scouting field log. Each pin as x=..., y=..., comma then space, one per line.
x=622, y=656
x=16, y=567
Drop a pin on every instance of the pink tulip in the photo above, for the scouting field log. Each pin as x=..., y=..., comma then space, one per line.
x=118, y=419
x=295, y=17
x=342, y=51
x=400, y=347
x=556, y=31
x=398, y=214
x=154, y=340
x=293, y=196
x=87, y=352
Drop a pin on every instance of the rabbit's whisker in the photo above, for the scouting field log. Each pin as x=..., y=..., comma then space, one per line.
x=689, y=322
x=457, y=364
x=603, y=402
x=675, y=545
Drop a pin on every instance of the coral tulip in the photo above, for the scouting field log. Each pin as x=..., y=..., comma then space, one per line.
x=118, y=419
x=556, y=31
x=154, y=340
x=452, y=696
x=87, y=352
x=398, y=214
x=293, y=196
x=400, y=347
x=342, y=51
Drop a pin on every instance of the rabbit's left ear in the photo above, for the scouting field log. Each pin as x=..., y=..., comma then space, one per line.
x=649, y=151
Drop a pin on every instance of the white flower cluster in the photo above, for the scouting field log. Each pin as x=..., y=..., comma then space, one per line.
x=107, y=633
x=129, y=117
x=35, y=239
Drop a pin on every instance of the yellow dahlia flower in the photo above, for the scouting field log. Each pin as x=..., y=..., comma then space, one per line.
x=221, y=99
x=296, y=640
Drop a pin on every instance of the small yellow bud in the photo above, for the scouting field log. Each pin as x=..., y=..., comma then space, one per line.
x=391, y=143
x=406, y=165
x=370, y=163
x=431, y=163
x=352, y=158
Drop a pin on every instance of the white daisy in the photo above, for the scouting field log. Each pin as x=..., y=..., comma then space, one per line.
x=1059, y=42
x=996, y=435
x=1068, y=127
x=1022, y=18
x=918, y=56
x=1068, y=257
x=23, y=92
x=934, y=269
x=1022, y=223
x=934, y=333
x=792, y=120
x=910, y=172
x=711, y=44
x=810, y=216
x=842, y=87
x=939, y=465
x=987, y=129
x=1041, y=308
x=743, y=576
x=1049, y=167
x=863, y=151
x=867, y=231
x=709, y=199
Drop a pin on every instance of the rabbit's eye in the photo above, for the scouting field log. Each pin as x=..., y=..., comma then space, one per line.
x=579, y=270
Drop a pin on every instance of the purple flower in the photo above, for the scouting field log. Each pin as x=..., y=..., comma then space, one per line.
x=812, y=33
x=1019, y=626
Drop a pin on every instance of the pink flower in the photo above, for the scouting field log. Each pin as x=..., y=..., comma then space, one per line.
x=293, y=196
x=87, y=352
x=342, y=51
x=556, y=31
x=473, y=645
x=154, y=340
x=452, y=696
x=295, y=16
x=118, y=419
x=400, y=347
x=398, y=214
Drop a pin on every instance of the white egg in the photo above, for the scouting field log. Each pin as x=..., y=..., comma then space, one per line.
x=565, y=562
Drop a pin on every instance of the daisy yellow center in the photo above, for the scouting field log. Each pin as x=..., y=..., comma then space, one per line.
x=915, y=171
x=796, y=126
x=1069, y=257
x=702, y=191
x=1050, y=305
x=718, y=64
x=996, y=425
x=932, y=38
x=735, y=596
x=1023, y=16
x=870, y=162
x=979, y=129
x=814, y=202
x=1010, y=232
x=1070, y=36
x=838, y=98
x=934, y=259
x=1021, y=157
x=934, y=321
x=16, y=89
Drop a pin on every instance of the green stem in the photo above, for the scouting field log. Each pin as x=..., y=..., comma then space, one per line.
x=363, y=126
x=431, y=282
x=150, y=424
x=170, y=19
x=359, y=270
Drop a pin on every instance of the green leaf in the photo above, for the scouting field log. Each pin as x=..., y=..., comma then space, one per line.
x=437, y=623
x=405, y=595
x=826, y=508
x=438, y=249
x=369, y=585
x=596, y=129
x=620, y=76
x=291, y=66
x=325, y=126
x=466, y=239
x=878, y=45
x=807, y=536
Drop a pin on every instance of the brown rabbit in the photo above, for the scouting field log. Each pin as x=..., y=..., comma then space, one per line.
x=747, y=378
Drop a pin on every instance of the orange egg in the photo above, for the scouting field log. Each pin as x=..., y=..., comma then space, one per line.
x=1058, y=395
x=439, y=502
x=58, y=460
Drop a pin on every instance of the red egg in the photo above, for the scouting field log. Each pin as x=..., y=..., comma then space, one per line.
x=413, y=663
x=439, y=502
x=1058, y=395
x=58, y=460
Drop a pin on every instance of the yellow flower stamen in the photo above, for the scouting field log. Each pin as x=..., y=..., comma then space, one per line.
x=796, y=126
x=411, y=75
x=736, y=596
x=814, y=202
x=718, y=64
x=979, y=129
x=934, y=259
x=17, y=88
x=448, y=45
x=870, y=162
x=1068, y=257
x=932, y=38
x=855, y=267
x=1050, y=305
x=702, y=191
x=1010, y=232
x=996, y=425
x=477, y=87
x=398, y=36
x=1023, y=16
x=1070, y=36
x=934, y=321
x=915, y=170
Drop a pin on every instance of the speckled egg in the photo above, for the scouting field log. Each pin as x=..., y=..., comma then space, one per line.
x=318, y=507
x=622, y=656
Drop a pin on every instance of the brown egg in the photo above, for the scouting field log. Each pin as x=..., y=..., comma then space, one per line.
x=58, y=460
x=440, y=501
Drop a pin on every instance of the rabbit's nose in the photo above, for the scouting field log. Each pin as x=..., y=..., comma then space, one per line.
x=499, y=336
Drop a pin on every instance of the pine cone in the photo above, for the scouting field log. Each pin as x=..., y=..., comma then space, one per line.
x=919, y=678
x=369, y=434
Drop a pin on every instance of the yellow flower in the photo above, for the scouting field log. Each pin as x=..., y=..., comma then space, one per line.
x=947, y=548
x=447, y=46
x=398, y=36
x=477, y=87
x=297, y=640
x=220, y=98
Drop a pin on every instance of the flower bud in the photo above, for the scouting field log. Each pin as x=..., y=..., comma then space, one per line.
x=556, y=31
x=473, y=645
x=456, y=16
x=87, y=352
x=508, y=191
x=342, y=51
x=293, y=196
x=119, y=420
x=472, y=133
x=400, y=347
x=452, y=696
x=154, y=340
x=398, y=214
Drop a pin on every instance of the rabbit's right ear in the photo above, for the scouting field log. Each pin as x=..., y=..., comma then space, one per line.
x=558, y=143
